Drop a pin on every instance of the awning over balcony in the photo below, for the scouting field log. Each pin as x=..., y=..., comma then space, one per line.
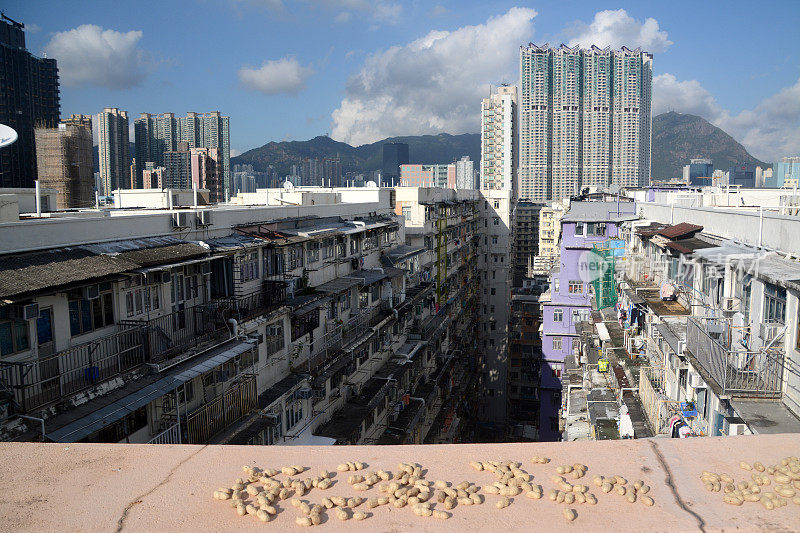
x=338, y=285
x=141, y=392
x=766, y=416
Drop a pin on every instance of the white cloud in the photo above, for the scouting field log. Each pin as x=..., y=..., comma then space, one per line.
x=32, y=28
x=343, y=17
x=426, y=87
x=272, y=5
x=669, y=94
x=381, y=10
x=91, y=55
x=235, y=152
x=769, y=131
x=617, y=29
x=285, y=75
x=438, y=10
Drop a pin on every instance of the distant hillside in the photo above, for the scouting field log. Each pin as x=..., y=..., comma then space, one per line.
x=677, y=138
x=442, y=148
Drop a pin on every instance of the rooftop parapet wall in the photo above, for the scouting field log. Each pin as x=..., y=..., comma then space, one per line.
x=56, y=487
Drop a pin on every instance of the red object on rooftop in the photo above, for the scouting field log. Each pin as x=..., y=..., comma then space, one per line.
x=680, y=231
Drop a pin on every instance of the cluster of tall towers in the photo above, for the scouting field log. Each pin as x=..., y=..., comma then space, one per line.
x=579, y=118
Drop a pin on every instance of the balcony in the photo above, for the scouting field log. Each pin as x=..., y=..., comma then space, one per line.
x=222, y=412
x=736, y=371
x=48, y=380
x=145, y=487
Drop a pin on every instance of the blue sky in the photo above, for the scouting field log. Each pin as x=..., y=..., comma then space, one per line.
x=362, y=70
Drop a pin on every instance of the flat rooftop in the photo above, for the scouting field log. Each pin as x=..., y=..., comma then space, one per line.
x=116, y=487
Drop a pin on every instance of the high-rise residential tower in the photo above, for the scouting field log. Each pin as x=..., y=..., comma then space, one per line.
x=498, y=167
x=158, y=134
x=28, y=99
x=113, y=150
x=584, y=119
x=465, y=173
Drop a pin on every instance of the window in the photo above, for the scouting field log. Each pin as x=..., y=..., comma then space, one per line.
x=327, y=248
x=579, y=229
x=88, y=315
x=295, y=256
x=575, y=287
x=355, y=245
x=596, y=229
x=556, y=284
x=494, y=291
x=248, y=266
x=141, y=300
x=363, y=299
x=294, y=414
x=344, y=301
x=557, y=343
x=13, y=334
x=494, y=239
x=313, y=252
x=407, y=213
x=496, y=221
x=376, y=293
x=497, y=204
x=576, y=344
x=558, y=315
x=774, y=304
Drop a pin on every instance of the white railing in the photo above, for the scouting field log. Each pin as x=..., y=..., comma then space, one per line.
x=171, y=435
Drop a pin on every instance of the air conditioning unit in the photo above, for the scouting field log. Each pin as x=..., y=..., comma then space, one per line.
x=203, y=218
x=736, y=426
x=303, y=394
x=272, y=419
x=769, y=331
x=92, y=292
x=180, y=220
x=731, y=304
x=695, y=381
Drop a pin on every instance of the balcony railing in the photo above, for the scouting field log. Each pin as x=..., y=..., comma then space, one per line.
x=47, y=380
x=222, y=412
x=737, y=372
x=171, y=435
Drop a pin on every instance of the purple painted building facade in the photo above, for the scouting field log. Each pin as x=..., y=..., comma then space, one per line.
x=583, y=226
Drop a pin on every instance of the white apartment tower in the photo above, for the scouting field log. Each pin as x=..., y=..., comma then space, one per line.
x=498, y=167
x=113, y=150
x=584, y=118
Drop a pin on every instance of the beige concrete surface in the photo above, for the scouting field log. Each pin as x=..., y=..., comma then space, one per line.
x=98, y=487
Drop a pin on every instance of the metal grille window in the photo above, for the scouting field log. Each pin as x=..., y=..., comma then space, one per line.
x=248, y=266
x=313, y=252
x=557, y=343
x=774, y=304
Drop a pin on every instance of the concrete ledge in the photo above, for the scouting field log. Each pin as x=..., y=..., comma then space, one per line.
x=100, y=487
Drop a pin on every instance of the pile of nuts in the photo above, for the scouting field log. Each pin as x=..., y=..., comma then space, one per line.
x=785, y=474
x=259, y=493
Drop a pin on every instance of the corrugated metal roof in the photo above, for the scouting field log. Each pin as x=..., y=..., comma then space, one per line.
x=337, y=285
x=684, y=229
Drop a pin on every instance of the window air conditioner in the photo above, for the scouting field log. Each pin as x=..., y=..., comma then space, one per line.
x=770, y=330
x=203, y=218
x=695, y=381
x=272, y=419
x=180, y=219
x=736, y=429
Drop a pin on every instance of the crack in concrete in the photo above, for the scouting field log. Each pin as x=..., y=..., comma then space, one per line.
x=668, y=481
x=140, y=498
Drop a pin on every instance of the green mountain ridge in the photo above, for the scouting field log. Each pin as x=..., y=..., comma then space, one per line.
x=677, y=138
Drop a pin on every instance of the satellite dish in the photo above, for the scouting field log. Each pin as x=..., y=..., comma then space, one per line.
x=7, y=136
x=372, y=185
x=288, y=185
